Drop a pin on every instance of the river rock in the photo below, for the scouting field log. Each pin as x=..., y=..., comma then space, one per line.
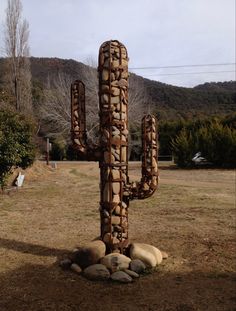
x=164, y=255
x=116, y=115
x=124, y=74
x=115, y=91
x=89, y=254
x=115, y=220
x=115, y=174
x=121, y=276
x=115, y=100
x=113, y=77
x=123, y=154
x=77, y=141
x=115, y=63
x=105, y=75
x=131, y=273
x=116, y=187
x=76, y=268
x=107, y=237
x=117, y=73
x=116, y=198
x=125, y=132
x=120, y=211
x=137, y=266
x=150, y=255
x=65, y=263
x=116, y=262
x=123, y=83
x=105, y=88
x=105, y=98
x=76, y=114
x=97, y=272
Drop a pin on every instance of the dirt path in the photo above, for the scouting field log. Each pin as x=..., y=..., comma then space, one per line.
x=192, y=217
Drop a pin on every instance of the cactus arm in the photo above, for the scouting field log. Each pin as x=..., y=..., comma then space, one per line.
x=149, y=181
x=78, y=123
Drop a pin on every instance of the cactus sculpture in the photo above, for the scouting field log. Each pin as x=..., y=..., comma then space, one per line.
x=115, y=188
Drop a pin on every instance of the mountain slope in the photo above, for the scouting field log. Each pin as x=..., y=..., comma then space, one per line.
x=167, y=101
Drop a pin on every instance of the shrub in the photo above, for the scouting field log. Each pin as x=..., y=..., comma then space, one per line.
x=215, y=141
x=16, y=146
x=184, y=147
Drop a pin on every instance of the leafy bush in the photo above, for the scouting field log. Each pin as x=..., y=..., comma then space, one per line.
x=16, y=146
x=215, y=141
x=184, y=147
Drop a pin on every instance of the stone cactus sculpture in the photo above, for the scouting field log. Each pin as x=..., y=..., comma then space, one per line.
x=112, y=153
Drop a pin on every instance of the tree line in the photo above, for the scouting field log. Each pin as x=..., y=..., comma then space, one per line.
x=214, y=138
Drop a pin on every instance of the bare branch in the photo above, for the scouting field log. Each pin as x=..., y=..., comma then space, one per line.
x=16, y=36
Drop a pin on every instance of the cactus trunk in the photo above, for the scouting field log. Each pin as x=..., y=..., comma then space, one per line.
x=113, y=101
x=115, y=189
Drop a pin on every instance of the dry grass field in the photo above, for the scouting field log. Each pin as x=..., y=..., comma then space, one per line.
x=191, y=217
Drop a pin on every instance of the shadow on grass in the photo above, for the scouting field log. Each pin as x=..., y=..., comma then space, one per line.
x=41, y=287
x=34, y=287
x=28, y=248
x=38, y=287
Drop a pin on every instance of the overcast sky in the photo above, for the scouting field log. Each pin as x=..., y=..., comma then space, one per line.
x=156, y=33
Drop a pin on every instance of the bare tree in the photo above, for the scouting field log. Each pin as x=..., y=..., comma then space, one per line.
x=139, y=105
x=89, y=76
x=17, y=53
x=139, y=100
x=55, y=110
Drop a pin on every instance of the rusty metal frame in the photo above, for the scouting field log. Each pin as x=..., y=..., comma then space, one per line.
x=78, y=124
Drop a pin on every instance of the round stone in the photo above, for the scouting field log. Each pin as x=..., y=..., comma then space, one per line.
x=89, y=254
x=65, y=263
x=105, y=75
x=115, y=220
x=121, y=276
x=97, y=272
x=116, y=261
x=116, y=198
x=116, y=187
x=150, y=255
x=137, y=266
x=76, y=268
x=131, y=273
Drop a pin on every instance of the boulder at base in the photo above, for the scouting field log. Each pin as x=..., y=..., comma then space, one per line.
x=131, y=273
x=97, y=272
x=116, y=261
x=137, y=266
x=89, y=254
x=121, y=276
x=150, y=255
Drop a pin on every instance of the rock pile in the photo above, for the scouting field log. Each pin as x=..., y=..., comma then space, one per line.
x=114, y=266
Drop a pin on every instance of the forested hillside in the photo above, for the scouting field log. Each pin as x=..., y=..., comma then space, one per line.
x=167, y=101
x=179, y=110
